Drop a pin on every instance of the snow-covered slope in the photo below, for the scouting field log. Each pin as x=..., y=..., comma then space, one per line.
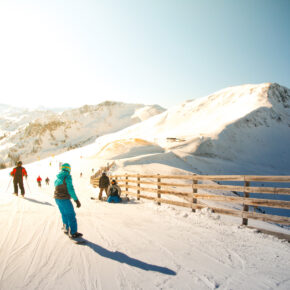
x=136, y=245
x=32, y=135
x=238, y=125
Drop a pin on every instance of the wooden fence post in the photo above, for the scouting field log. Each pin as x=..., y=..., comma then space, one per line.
x=194, y=200
x=158, y=188
x=126, y=177
x=246, y=207
x=138, y=185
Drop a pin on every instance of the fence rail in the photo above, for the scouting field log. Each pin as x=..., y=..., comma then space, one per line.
x=152, y=187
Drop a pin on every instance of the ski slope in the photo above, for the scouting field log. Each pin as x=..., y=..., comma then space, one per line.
x=136, y=245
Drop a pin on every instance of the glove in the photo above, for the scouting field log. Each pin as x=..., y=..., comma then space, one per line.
x=78, y=203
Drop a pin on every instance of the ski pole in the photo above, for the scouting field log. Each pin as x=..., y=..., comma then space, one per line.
x=28, y=185
x=8, y=185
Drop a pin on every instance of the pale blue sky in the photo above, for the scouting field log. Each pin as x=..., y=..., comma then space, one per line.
x=57, y=52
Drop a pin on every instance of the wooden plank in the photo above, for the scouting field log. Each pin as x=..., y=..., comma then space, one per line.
x=160, y=183
x=138, y=186
x=232, y=212
x=178, y=203
x=158, y=190
x=279, y=235
x=194, y=200
x=155, y=190
x=267, y=178
x=250, y=189
x=245, y=206
x=248, y=201
x=220, y=177
x=189, y=177
x=126, y=177
x=260, y=178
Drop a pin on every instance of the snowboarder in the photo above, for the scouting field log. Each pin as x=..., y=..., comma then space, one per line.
x=104, y=183
x=47, y=181
x=18, y=173
x=39, y=179
x=114, y=192
x=64, y=191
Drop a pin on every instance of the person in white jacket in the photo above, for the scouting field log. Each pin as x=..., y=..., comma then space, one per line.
x=114, y=192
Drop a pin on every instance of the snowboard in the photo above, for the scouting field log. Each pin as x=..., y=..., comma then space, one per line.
x=95, y=198
x=124, y=198
x=78, y=241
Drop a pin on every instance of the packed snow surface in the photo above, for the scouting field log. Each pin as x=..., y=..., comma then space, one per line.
x=140, y=245
x=135, y=245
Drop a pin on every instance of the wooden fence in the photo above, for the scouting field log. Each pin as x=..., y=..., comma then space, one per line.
x=157, y=187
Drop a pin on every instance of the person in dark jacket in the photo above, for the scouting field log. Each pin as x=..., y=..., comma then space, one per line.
x=64, y=191
x=18, y=173
x=114, y=192
x=104, y=183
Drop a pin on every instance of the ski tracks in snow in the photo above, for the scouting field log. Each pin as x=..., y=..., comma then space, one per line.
x=133, y=246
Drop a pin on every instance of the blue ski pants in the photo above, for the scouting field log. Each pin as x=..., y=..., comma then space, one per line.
x=115, y=199
x=68, y=214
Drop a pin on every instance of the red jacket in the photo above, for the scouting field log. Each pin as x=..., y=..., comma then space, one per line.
x=39, y=178
x=18, y=169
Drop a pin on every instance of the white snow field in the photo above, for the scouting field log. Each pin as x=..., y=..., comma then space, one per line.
x=135, y=245
x=140, y=245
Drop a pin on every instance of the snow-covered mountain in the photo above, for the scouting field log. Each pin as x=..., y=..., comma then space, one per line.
x=238, y=130
x=238, y=126
x=35, y=134
x=139, y=244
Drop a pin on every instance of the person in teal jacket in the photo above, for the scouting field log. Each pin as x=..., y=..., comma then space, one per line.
x=63, y=193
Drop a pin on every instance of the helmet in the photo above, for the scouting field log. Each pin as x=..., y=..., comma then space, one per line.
x=66, y=167
x=19, y=163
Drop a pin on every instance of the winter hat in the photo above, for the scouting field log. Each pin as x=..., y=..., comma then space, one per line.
x=113, y=181
x=66, y=167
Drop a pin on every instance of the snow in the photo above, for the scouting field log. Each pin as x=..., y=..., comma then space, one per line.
x=140, y=245
x=248, y=124
x=135, y=245
x=46, y=132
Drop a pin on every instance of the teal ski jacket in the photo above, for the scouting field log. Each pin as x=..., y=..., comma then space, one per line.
x=68, y=181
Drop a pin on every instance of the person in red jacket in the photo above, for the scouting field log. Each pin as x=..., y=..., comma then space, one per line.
x=39, y=179
x=18, y=173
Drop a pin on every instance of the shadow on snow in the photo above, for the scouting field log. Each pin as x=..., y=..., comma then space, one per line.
x=123, y=258
x=37, y=201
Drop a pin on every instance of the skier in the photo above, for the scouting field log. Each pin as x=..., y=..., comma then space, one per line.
x=47, y=181
x=64, y=191
x=104, y=182
x=39, y=179
x=114, y=192
x=18, y=173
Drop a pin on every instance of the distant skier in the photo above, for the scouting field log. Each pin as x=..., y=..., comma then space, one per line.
x=114, y=192
x=64, y=191
x=104, y=183
x=39, y=179
x=47, y=181
x=18, y=173
x=81, y=174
